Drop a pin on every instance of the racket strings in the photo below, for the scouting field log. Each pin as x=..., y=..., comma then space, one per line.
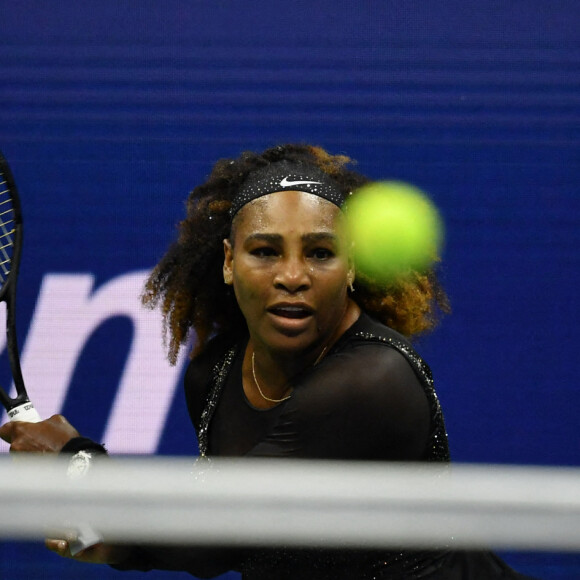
x=7, y=229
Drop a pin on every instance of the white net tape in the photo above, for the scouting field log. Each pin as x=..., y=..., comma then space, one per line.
x=291, y=502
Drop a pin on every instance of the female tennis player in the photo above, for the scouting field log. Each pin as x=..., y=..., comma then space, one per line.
x=297, y=355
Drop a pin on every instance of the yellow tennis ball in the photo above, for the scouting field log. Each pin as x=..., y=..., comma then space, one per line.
x=394, y=228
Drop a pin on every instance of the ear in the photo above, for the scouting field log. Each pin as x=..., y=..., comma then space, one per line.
x=228, y=263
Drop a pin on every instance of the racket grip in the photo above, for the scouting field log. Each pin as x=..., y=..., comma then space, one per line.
x=24, y=412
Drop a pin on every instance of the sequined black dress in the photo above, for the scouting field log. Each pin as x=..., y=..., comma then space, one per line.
x=371, y=398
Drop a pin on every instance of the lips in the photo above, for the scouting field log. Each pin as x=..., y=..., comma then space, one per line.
x=293, y=311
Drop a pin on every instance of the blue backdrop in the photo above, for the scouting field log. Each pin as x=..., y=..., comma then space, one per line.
x=111, y=112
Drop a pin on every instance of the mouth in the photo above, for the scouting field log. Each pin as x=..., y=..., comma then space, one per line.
x=292, y=311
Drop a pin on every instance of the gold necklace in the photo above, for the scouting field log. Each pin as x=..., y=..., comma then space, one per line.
x=258, y=384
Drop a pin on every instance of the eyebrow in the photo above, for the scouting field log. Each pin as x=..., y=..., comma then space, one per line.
x=309, y=238
x=320, y=237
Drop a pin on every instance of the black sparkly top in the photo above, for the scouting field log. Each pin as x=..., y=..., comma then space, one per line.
x=370, y=398
x=363, y=401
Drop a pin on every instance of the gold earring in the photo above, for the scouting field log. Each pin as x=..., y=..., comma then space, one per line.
x=350, y=280
x=228, y=278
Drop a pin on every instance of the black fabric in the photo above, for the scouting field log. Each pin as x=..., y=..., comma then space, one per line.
x=363, y=401
x=288, y=176
x=203, y=562
x=371, y=398
x=77, y=444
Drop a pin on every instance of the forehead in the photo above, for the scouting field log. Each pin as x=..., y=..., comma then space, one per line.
x=288, y=211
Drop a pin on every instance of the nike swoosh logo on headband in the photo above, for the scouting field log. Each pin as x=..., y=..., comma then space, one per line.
x=286, y=183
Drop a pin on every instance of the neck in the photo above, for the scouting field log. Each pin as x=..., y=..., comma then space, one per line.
x=275, y=370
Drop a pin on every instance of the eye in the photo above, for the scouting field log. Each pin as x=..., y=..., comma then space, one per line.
x=322, y=254
x=263, y=252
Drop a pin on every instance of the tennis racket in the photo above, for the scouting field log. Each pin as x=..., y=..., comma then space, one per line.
x=19, y=408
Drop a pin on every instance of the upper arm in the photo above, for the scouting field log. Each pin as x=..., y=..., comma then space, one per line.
x=365, y=403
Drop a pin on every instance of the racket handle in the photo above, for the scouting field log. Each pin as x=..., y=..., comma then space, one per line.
x=24, y=412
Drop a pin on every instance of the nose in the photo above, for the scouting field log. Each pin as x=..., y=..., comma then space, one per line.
x=292, y=275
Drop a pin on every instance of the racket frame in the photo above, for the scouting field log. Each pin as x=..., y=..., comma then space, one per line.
x=19, y=408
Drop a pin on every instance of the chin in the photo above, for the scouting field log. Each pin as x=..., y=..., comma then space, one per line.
x=295, y=344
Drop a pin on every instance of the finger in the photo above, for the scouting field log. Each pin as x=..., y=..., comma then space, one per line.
x=97, y=553
x=59, y=547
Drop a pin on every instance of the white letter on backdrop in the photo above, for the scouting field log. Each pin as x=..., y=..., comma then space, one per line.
x=66, y=314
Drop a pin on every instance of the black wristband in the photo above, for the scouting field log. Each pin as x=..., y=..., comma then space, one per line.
x=83, y=444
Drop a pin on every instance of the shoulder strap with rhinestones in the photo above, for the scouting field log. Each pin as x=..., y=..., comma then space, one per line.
x=218, y=379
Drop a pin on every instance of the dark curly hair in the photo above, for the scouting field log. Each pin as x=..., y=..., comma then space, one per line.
x=188, y=281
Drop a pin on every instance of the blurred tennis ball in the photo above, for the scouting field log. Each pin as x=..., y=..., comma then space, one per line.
x=394, y=227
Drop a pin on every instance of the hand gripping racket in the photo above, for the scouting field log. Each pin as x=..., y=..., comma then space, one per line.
x=19, y=408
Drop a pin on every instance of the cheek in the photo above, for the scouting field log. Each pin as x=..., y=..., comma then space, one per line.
x=249, y=288
x=334, y=291
x=340, y=293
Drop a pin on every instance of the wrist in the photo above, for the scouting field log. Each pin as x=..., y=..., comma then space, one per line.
x=82, y=452
x=77, y=444
x=79, y=464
